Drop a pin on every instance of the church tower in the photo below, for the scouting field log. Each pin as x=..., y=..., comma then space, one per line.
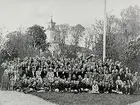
x=51, y=33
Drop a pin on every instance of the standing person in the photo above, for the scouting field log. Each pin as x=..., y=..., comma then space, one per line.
x=107, y=82
x=12, y=82
x=50, y=77
x=38, y=72
x=43, y=72
x=5, y=80
x=138, y=82
x=135, y=81
x=82, y=72
x=101, y=82
x=80, y=84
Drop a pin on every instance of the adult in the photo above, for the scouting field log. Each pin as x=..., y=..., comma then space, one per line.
x=5, y=80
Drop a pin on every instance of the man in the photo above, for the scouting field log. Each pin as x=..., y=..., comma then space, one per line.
x=50, y=77
x=43, y=72
x=107, y=82
x=101, y=82
x=74, y=83
x=95, y=75
x=86, y=83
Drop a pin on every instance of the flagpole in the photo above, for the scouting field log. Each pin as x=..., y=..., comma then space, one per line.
x=104, y=35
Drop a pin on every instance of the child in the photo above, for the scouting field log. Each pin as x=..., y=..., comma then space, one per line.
x=95, y=88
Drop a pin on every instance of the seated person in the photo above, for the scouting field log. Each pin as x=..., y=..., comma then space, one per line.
x=74, y=83
x=95, y=88
x=107, y=82
x=101, y=83
x=25, y=83
x=46, y=84
x=80, y=85
x=18, y=85
x=86, y=83
x=125, y=87
x=33, y=85
x=129, y=87
x=119, y=84
x=67, y=82
x=62, y=84
x=56, y=83
x=38, y=84
x=50, y=77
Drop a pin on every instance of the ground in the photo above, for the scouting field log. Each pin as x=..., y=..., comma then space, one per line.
x=88, y=99
x=17, y=98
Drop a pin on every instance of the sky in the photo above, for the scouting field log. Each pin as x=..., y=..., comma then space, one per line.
x=25, y=13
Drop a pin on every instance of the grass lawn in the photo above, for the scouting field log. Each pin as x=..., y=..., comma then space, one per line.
x=88, y=99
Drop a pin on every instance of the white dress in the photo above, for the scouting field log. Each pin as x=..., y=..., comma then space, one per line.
x=95, y=88
x=50, y=76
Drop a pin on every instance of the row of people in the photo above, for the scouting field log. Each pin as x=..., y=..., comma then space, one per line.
x=71, y=75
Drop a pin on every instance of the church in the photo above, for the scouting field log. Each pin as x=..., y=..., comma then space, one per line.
x=52, y=39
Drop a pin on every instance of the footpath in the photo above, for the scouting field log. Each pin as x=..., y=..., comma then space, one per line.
x=136, y=103
x=17, y=98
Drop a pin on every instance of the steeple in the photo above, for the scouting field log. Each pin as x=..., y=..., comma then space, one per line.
x=51, y=18
x=51, y=24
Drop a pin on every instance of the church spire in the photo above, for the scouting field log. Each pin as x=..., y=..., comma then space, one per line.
x=51, y=18
x=51, y=24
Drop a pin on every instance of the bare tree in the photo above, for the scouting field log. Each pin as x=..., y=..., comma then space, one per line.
x=63, y=30
x=130, y=23
x=89, y=38
x=111, y=37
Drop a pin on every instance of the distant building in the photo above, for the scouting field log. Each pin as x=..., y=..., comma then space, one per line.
x=50, y=31
x=52, y=37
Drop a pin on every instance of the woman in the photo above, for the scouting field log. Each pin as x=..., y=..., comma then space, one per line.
x=5, y=80
x=95, y=88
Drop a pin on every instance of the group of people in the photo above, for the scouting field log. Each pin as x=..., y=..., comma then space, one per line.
x=68, y=75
